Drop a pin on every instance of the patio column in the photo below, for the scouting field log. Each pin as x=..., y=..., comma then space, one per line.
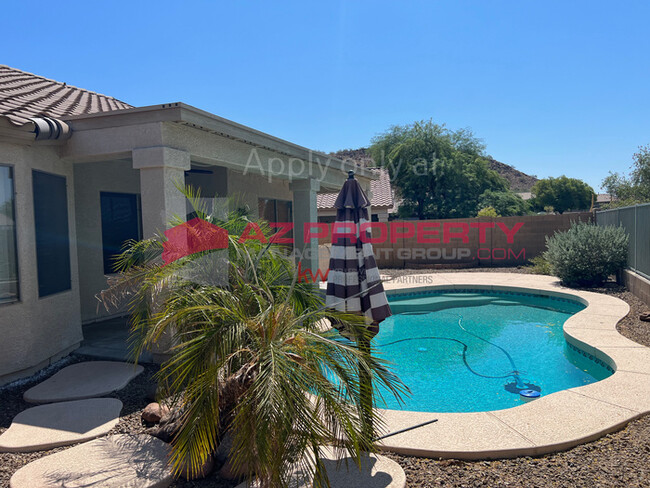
x=305, y=211
x=161, y=170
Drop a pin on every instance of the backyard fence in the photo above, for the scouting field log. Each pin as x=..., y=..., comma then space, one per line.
x=636, y=221
x=473, y=242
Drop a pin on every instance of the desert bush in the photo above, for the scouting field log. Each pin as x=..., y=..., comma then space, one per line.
x=539, y=265
x=587, y=254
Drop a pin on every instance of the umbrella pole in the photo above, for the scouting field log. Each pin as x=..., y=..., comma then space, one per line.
x=365, y=390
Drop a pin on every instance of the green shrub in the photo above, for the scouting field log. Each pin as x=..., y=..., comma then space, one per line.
x=488, y=212
x=539, y=265
x=587, y=254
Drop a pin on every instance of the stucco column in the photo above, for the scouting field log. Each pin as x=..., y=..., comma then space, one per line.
x=305, y=211
x=162, y=169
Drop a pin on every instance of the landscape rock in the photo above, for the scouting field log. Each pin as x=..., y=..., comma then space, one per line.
x=169, y=426
x=154, y=412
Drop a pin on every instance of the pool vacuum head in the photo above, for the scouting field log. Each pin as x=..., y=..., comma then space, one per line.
x=528, y=395
x=515, y=388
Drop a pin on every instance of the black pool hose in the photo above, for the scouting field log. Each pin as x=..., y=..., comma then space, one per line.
x=514, y=372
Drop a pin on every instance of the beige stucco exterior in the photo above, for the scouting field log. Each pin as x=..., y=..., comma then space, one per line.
x=144, y=151
x=35, y=330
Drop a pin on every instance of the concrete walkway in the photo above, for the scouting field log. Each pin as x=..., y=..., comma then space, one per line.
x=60, y=424
x=110, y=462
x=138, y=461
x=83, y=380
x=108, y=339
x=553, y=422
x=375, y=472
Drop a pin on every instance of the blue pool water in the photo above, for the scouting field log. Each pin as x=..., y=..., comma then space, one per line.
x=474, y=351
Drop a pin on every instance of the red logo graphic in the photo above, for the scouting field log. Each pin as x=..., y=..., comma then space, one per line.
x=194, y=236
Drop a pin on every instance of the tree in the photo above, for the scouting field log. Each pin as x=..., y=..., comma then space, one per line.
x=250, y=360
x=439, y=173
x=487, y=212
x=562, y=194
x=504, y=203
x=635, y=188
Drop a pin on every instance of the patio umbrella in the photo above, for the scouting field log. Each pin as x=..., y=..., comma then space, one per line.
x=353, y=282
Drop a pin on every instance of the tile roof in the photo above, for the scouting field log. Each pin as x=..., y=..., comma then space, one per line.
x=24, y=95
x=604, y=198
x=382, y=192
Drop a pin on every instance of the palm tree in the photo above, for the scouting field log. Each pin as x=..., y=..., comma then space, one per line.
x=250, y=359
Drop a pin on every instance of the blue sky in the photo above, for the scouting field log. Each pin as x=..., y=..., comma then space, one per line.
x=552, y=87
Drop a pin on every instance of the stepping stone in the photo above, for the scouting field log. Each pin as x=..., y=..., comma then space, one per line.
x=60, y=424
x=83, y=380
x=110, y=462
x=376, y=472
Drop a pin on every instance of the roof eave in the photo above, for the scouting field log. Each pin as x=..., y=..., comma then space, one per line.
x=201, y=120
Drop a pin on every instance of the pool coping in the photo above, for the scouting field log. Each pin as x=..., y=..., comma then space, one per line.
x=552, y=423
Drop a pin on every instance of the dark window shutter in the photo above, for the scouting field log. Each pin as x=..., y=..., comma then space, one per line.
x=52, y=233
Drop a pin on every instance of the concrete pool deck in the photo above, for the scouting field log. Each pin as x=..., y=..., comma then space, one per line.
x=551, y=423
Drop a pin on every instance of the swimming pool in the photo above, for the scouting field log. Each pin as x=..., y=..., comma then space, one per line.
x=477, y=350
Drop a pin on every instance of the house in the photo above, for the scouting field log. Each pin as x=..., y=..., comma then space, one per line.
x=602, y=200
x=382, y=199
x=81, y=172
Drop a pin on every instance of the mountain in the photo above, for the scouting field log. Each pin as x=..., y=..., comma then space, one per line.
x=519, y=182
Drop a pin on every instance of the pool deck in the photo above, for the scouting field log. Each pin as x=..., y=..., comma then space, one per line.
x=551, y=423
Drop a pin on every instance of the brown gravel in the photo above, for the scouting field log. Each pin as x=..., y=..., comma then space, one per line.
x=618, y=459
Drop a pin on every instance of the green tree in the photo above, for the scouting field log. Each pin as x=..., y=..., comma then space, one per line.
x=635, y=188
x=562, y=194
x=505, y=203
x=439, y=173
x=250, y=358
x=487, y=212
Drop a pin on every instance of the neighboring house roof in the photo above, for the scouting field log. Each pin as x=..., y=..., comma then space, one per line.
x=25, y=95
x=382, y=192
x=604, y=198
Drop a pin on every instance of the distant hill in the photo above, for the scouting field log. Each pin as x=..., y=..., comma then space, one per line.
x=519, y=182
x=359, y=156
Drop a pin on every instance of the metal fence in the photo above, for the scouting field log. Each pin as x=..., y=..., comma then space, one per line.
x=636, y=221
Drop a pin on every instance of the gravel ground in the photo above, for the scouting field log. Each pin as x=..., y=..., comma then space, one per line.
x=134, y=398
x=618, y=459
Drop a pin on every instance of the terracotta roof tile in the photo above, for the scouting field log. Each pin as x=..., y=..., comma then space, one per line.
x=24, y=95
x=382, y=193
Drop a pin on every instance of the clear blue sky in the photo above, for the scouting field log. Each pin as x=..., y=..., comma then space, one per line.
x=552, y=87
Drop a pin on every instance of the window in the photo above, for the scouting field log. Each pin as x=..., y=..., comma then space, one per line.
x=276, y=211
x=8, y=255
x=120, y=223
x=52, y=236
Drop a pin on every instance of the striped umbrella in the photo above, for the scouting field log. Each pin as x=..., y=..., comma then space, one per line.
x=353, y=282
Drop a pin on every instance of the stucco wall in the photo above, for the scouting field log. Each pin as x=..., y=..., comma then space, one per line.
x=90, y=180
x=248, y=189
x=36, y=330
